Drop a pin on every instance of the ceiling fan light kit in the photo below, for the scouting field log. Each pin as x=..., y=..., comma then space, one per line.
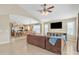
x=45, y=9
x=45, y=13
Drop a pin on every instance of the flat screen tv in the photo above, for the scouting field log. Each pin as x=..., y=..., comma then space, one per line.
x=56, y=25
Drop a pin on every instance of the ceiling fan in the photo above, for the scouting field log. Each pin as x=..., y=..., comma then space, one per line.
x=45, y=9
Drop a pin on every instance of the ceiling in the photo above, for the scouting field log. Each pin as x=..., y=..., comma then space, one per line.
x=19, y=19
x=17, y=14
x=60, y=11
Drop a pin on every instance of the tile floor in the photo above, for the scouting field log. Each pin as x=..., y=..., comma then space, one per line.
x=22, y=48
x=19, y=46
x=70, y=48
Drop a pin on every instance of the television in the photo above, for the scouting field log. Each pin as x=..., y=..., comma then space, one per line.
x=56, y=25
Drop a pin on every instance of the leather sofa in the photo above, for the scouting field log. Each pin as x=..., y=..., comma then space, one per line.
x=43, y=42
x=36, y=40
x=53, y=48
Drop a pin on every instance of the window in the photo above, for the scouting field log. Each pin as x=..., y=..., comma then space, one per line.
x=46, y=29
x=71, y=28
x=36, y=28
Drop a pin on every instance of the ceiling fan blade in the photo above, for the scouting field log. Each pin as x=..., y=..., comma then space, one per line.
x=50, y=7
x=49, y=11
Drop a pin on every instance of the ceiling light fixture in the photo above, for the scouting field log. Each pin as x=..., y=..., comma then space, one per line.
x=45, y=13
x=45, y=9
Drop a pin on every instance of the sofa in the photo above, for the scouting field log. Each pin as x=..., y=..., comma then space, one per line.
x=43, y=42
x=36, y=40
x=53, y=48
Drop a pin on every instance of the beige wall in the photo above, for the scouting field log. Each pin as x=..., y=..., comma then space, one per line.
x=4, y=29
x=64, y=25
x=63, y=30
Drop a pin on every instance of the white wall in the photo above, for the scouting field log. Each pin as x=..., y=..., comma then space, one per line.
x=4, y=29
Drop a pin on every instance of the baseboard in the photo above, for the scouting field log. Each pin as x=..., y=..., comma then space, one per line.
x=5, y=42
